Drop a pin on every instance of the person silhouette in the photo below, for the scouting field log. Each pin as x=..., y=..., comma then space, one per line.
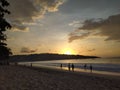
x=72, y=67
x=31, y=64
x=69, y=66
x=61, y=66
x=91, y=68
x=85, y=66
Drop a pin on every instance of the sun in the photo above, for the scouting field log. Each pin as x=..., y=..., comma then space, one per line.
x=68, y=52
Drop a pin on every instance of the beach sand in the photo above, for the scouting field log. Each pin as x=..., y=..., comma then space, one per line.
x=27, y=78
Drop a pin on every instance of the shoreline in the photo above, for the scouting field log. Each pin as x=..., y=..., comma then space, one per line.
x=41, y=78
x=78, y=70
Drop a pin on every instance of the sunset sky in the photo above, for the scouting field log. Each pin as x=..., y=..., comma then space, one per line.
x=85, y=27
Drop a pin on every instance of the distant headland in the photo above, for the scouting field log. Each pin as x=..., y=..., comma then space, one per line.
x=46, y=56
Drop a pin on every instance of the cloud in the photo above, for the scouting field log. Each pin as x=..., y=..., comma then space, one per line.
x=27, y=50
x=75, y=24
x=73, y=36
x=91, y=50
x=110, y=28
x=27, y=11
x=75, y=6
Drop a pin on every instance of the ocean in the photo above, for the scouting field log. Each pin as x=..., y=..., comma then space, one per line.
x=99, y=65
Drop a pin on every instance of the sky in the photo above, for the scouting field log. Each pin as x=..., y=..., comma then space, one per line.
x=84, y=27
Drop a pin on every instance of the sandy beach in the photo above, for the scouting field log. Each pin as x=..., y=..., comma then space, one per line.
x=26, y=78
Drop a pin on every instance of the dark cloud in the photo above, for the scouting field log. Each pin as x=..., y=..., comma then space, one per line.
x=73, y=36
x=27, y=11
x=27, y=50
x=75, y=6
x=109, y=27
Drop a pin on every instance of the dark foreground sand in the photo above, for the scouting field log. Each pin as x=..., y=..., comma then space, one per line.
x=24, y=78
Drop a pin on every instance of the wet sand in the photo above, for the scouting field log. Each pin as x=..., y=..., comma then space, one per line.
x=31, y=78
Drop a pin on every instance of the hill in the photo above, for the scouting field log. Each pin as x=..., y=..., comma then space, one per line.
x=46, y=56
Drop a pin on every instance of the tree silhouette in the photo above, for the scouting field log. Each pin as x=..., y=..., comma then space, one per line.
x=5, y=52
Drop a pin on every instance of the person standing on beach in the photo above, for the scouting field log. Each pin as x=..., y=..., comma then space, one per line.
x=85, y=66
x=91, y=68
x=69, y=66
x=72, y=67
x=61, y=66
x=31, y=64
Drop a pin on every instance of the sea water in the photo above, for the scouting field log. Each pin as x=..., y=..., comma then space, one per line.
x=110, y=65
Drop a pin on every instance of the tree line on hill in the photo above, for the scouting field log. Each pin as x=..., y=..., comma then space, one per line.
x=46, y=56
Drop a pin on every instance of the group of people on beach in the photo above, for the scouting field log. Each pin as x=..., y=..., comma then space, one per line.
x=71, y=66
x=85, y=67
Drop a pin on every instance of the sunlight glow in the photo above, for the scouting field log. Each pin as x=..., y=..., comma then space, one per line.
x=67, y=51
